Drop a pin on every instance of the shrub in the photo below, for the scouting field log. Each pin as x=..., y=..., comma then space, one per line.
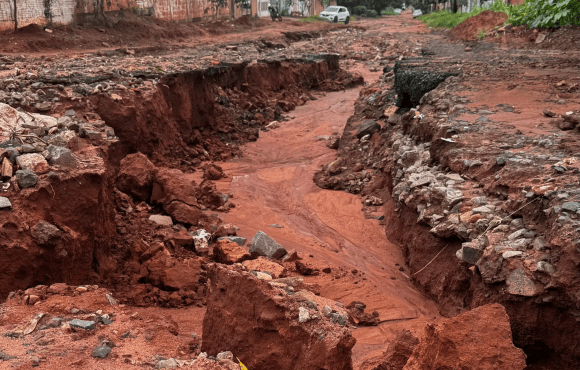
x=545, y=13
x=359, y=10
x=313, y=18
x=388, y=11
x=371, y=13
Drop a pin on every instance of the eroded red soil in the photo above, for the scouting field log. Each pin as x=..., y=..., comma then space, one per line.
x=233, y=126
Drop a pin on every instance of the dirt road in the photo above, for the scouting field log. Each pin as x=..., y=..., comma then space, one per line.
x=191, y=96
x=272, y=185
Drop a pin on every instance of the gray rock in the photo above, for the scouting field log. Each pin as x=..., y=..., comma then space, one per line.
x=367, y=128
x=89, y=134
x=6, y=357
x=509, y=254
x=63, y=122
x=26, y=178
x=539, y=243
x=500, y=161
x=326, y=311
x=5, y=203
x=334, y=142
x=82, y=324
x=394, y=119
x=518, y=234
x=517, y=223
x=62, y=157
x=519, y=284
x=27, y=148
x=263, y=245
x=519, y=244
x=236, y=239
x=45, y=233
x=479, y=201
x=469, y=252
x=452, y=197
x=161, y=220
x=481, y=210
x=409, y=157
x=544, y=266
x=225, y=355
x=571, y=206
x=58, y=140
x=167, y=364
x=54, y=322
x=303, y=315
x=101, y=352
x=337, y=318
x=70, y=113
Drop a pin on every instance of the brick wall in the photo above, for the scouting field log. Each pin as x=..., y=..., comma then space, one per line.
x=29, y=11
x=66, y=11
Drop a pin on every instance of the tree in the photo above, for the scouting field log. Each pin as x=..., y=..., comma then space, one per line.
x=243, y=4
x=217, y=4
x=305, y=4
x=99, y=8
x=15, y=16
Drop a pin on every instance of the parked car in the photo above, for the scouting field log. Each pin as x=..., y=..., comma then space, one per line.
x=336, y=14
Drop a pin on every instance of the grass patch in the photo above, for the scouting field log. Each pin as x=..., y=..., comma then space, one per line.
x=388, y=11
x=447, y=19
x=532, y=13
x=314, y=18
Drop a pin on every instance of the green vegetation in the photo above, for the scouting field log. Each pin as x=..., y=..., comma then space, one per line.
x=360, y=7
x=532, y=13
x=314, y=18
x=545, y=13
x=447, y=19
x=388, y=11
x=480, y=35
x=362, y=11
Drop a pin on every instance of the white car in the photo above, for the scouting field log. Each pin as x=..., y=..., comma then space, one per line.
x=336, y=14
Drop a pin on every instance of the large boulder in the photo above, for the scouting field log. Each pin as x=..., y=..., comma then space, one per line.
x=263, y=245
x=396, y=355
x=136, y=176
x=367, y=128
x=480, y=339
x=269, y=329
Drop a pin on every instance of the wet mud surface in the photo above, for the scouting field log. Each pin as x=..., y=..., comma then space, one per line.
x=221, y=134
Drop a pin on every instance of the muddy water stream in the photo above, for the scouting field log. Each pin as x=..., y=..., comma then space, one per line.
x=272, y=184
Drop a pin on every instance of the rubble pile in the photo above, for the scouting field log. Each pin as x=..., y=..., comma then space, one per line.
x=498, y=206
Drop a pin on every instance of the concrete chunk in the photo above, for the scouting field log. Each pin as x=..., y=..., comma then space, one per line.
x=82, y=324
x=263, y=245
x=5, y=203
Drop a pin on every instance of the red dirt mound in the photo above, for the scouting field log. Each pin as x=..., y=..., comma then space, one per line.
x=485, y=21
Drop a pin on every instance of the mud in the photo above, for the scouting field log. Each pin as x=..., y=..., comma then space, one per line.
x=196, y=140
